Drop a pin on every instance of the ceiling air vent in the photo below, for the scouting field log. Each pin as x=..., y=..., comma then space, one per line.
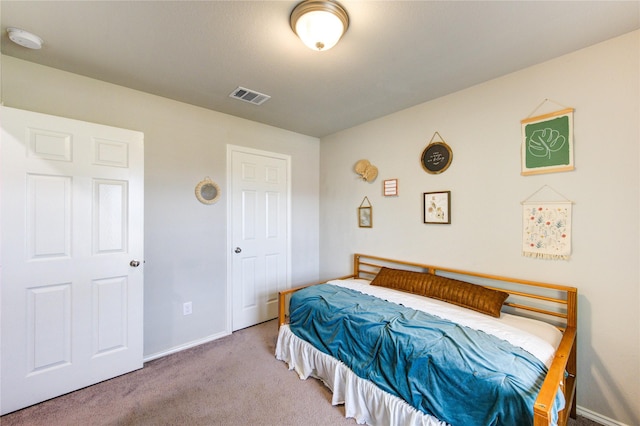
x=250, y=96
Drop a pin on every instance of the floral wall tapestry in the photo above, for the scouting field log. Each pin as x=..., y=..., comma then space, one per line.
x=547, y=229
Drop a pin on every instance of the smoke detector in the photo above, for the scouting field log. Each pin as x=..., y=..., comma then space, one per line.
x=24, y=38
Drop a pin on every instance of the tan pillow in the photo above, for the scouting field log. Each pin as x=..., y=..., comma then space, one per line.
x=467, y=295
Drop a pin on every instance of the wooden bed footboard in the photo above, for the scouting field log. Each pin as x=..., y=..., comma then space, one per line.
x=556, y=304
x=561, y=375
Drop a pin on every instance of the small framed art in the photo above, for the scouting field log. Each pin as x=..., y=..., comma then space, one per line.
x=365, y=214
x=364, y=217
x=390, y=187
x=437, y=207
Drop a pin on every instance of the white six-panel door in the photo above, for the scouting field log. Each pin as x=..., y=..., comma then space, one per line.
x=260, y=235
x=71, y=209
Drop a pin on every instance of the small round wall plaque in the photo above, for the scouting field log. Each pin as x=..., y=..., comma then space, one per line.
x=436, y=157
x=207, y=191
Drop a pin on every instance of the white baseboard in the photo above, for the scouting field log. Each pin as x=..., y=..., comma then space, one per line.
x=606, y=421
x=185, y=346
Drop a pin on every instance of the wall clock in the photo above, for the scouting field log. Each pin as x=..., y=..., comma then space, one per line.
x=437, y=156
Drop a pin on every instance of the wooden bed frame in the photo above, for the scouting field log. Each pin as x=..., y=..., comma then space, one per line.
x=556, y=304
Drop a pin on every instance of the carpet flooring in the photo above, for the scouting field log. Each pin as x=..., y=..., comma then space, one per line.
x=235, y=380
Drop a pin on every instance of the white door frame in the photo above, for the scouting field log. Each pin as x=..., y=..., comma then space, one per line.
x=230, y=246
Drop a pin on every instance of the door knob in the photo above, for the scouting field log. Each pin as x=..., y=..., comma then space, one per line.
x=238, y=250
x=134, y=263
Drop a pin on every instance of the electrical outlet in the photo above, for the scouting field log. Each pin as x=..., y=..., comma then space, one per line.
x=187, y=308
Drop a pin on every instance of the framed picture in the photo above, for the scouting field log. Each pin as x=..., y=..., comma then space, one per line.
x=547, y=143
x=364, y=217
x=437, y=207
x=390, y=187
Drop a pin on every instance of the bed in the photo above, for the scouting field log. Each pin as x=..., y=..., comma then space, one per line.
x=407, y=343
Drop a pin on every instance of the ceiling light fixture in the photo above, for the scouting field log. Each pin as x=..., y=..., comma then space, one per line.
x=319, y=23
x=24, y=38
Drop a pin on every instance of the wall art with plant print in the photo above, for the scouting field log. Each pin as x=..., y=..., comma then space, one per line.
x=547, y=143
x=437, y=207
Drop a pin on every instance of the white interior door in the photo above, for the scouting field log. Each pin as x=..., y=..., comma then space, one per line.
x=71, y=211
x=260, y=235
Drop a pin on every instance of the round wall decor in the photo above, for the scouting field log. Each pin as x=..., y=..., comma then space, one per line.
x=207, y=191
x=436, y=157
x=366, y=170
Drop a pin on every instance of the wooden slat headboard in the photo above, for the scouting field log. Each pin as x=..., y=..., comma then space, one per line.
x=549, y=302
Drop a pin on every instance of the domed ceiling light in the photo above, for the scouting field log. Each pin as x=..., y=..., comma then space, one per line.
x=319, y=23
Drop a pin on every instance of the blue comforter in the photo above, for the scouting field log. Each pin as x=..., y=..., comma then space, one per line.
x=460, y=375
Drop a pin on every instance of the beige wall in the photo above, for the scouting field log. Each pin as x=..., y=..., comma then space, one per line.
x=482, y=125
x=185, y=241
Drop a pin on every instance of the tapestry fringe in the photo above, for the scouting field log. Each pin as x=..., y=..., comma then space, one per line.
x=546, y=256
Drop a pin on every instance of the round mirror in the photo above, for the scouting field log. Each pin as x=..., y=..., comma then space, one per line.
x=207, y=191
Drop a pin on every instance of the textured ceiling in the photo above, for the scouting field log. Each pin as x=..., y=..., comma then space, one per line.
x=396, y=54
